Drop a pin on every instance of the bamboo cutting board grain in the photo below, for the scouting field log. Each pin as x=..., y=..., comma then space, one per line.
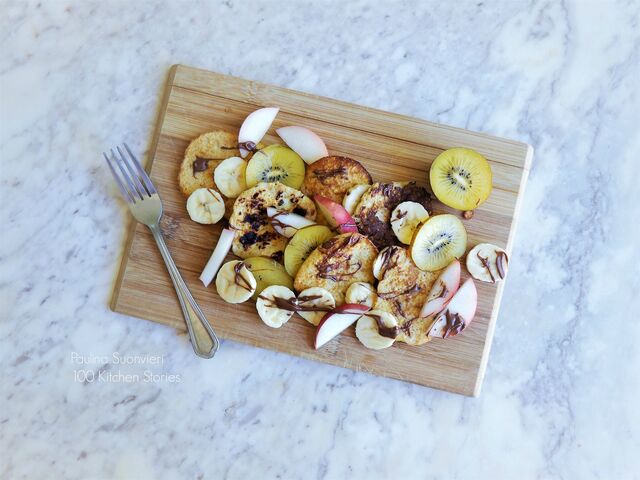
x=392, y=147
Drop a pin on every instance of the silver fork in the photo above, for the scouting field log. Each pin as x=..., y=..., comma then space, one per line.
x=145, y=205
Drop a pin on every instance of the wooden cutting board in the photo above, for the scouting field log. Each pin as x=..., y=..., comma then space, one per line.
x=391, y=146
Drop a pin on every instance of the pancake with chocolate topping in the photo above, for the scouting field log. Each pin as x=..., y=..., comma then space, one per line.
x=254, y=233
x=402, y=290
x=331, y=177
x=337, y=263
x=373, y=212
x=201, y=158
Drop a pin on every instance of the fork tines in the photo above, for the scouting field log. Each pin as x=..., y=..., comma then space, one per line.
x=133, y=181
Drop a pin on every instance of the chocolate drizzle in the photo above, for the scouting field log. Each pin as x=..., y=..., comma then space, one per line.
x=201, y=164
x=501, y=262
x=485, y=264
x=324, y=175
x=294, y=304
x=325, y=270
x=391, y=295
x=444, y=291
x=248, y=146
x=387, y=257
x=238, y=279
x=455, y=324
x=383, y=330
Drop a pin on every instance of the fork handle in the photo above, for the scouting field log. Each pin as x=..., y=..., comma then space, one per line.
x=203, y=339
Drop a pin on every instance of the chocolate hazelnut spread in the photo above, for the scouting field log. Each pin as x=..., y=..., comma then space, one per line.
x=386, y=259
x=485, y=264
x=443, y=293
x=325, y=269
x=455, y=324
x=383, y=330
x=374, y=223
x=201, y=164
x=501, y=262
x=324, y=175
x=334, y=258
x=239, y=279
x=248, y=146
x=390, y=295
x=294, y=304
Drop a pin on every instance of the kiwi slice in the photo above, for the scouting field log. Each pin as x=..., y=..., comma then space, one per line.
x=461, y=178
x=438, y=241
x=267, y=272
x=275, y=163
x=305, y=241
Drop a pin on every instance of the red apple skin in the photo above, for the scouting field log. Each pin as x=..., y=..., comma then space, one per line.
x=336, y=215
x=464, y=304
x=450, y=276
x=348, y=308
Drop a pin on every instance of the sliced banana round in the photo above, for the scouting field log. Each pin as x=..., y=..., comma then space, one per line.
x=405, y=218
x=206, y=206
x=315, y=297
x=361, y=293
x=353, y=196
x=383, y=260
x=235, y=282
x=229, y=176
x=269, y=305
x=377, y=329
x=488, y=263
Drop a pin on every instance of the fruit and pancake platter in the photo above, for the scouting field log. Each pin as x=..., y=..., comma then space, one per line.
x=316, y=236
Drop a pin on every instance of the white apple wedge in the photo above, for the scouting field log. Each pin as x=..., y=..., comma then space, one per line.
x=458, y=314
x=286, y=223
x=254, y=128
x=304, y=142
x=335, y=322
x=442, y=290
x=217, y=257
x=336, y=215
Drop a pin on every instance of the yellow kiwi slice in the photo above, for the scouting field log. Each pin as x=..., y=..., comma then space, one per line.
x=438, y=241
x=275, y=163
x=461, y=178
x=305, y=241
x=267, y=272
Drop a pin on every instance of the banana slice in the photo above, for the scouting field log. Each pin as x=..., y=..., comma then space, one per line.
x=488, y=263
x=353, y=196
x=206, y=206
x=377, y=329
x=383, y=260
x=361, y=293
x=405, y=218
x=270, y=302
x=229, y=177
x=315, y=297
x=235, y=283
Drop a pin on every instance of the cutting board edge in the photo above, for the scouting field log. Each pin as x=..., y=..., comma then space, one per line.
x=175, y=69
x=479, y=372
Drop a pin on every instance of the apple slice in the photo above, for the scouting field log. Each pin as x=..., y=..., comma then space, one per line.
x=287, y=223
x=336, y=215
x=304, y=142
x=442, y=290
x=337, y=321
x=254, y=128
x=217, y=257
x=458, y=313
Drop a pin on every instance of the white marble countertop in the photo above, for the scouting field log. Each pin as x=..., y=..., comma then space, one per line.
x=563, y=378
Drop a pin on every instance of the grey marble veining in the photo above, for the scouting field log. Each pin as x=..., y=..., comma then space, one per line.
x=560, y=394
